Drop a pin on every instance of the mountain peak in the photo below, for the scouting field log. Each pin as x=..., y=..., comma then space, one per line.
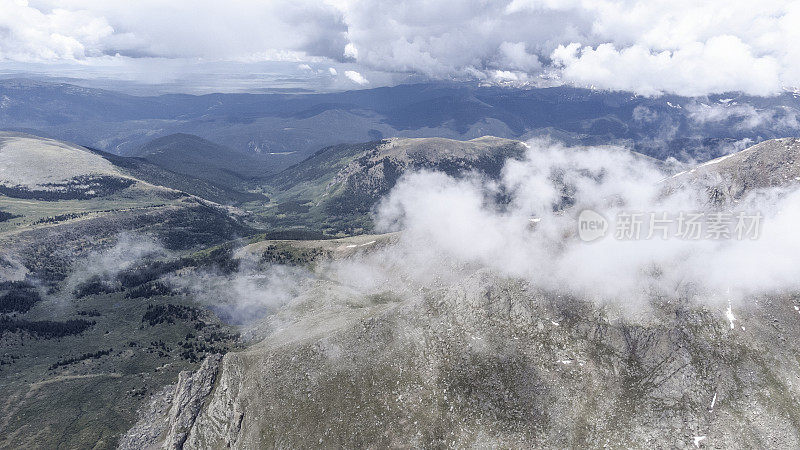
x=769, y=164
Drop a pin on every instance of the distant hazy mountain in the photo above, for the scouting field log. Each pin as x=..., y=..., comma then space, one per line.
x=153, y=173
x=283, y=129
x=194, y=156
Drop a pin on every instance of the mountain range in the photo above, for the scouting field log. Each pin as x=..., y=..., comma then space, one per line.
x=283, y=129
x=189, y=294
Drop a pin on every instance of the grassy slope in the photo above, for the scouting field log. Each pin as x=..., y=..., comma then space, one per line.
x=89, y=403
x=61, y=392
x=51, y=393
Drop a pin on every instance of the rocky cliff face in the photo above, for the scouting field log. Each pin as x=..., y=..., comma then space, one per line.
x=490, y=361
x=171, y=413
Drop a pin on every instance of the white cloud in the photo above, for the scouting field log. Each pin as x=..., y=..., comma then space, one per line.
x=206, y=29
x=455, y=223
x=744, y=116
x=356, y=77
x=515, y=56
x=722, y=64
x=32, y=35
x=350, y=51
x=677, y=46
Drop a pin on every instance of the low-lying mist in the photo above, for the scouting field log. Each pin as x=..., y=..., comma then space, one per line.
x=129, y=249
x=245, y=295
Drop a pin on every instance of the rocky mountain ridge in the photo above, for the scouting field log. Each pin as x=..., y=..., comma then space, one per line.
x=481, y=359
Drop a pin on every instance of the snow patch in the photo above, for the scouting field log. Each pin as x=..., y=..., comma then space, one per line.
x=729, y=315
x=360, y=245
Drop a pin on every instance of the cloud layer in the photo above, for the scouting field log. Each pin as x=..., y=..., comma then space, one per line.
x=653, y=47
x=452, y=228
x=453, y=220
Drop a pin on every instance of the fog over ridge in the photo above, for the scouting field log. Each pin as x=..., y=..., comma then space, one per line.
x=450, y=227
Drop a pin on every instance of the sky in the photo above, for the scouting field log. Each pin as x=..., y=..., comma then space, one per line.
x=654, y=47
